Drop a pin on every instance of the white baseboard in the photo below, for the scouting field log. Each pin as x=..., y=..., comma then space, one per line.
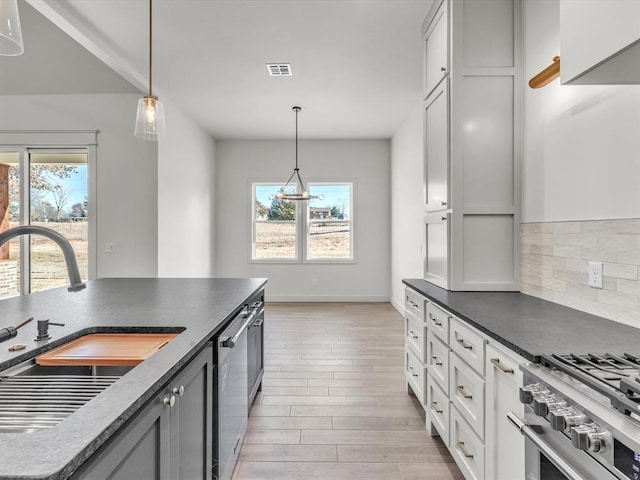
x=398, y=306
x=326, y=298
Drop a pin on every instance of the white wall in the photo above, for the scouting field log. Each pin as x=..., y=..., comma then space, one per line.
x=127, y=195
x=581, y=143
x=364, y=161
x=407, y=171
x=186, y=167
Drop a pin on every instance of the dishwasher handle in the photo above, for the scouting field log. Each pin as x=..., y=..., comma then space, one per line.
x=546, y=450
x=230, y=342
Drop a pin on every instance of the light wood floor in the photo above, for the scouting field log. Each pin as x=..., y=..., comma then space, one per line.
x=334, y=402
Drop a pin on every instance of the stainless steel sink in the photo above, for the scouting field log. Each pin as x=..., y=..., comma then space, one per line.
x=35, y=397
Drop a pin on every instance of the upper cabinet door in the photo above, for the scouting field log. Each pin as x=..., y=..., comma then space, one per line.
x=436, y=49
x=437, y=150
x=600, y=42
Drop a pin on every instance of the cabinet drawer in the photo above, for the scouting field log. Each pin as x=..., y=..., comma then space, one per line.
x=438, y=361
x=466, y=448
x=467, y=393
x=438, y=408
x=415, y=303
x=438, y=321
x=468, y=344
x=415, y=333
x=416, y=375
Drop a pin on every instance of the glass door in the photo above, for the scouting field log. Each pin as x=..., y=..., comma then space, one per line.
x=46, y=188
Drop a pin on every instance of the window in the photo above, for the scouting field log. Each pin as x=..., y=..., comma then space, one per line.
x=318, y=230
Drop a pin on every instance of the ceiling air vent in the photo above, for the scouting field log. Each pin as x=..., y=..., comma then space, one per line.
x=279, y=69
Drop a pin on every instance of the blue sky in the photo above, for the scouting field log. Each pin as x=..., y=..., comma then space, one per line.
x=77, y=186
x=333, y=195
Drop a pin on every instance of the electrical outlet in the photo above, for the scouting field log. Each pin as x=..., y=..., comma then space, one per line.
x=595, y=274
x=314, y=282
x=110, y=247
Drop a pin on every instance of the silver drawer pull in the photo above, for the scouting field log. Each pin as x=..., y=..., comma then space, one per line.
x=443, y=69
x=435, y=320
x=413, y=304
x=463, y=344
x=435, y=360
x=502, y=368
x=434, y=405
x=464, y=451
x=413, y=334
x=463, y=392
x=412, y=374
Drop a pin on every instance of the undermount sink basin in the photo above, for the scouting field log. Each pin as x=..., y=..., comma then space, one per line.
x=41, y=392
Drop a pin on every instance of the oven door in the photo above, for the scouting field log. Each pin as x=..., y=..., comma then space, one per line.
x=549, y=455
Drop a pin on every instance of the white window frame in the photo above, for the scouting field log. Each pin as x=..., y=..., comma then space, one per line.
x=302, y=227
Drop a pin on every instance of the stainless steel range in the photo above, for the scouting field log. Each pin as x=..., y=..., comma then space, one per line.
x=582, y=417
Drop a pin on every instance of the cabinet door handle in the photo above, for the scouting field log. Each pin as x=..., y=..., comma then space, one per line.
x=502, y=368
x=434, y=405
x=463, y=392
x=413, y=304
x=412, y=374
x=444, y=204
x=171, y=401
x=178, y=390
x=413, y=334
x=443, y=69
x=464, y=451
x=435, y=360
x=435, y=320
x=463, y=344
x=444, y=219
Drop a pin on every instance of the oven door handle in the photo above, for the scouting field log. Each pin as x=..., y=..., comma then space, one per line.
x=548, y=452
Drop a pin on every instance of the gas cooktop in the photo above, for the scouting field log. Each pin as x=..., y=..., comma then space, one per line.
x=615, y=376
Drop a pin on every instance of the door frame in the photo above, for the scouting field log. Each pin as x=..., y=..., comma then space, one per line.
x=43, y=141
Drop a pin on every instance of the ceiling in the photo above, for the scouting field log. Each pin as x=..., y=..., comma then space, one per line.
x=357, y=64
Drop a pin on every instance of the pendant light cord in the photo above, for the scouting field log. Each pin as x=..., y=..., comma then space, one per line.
x=297, y=109
x=150, y=48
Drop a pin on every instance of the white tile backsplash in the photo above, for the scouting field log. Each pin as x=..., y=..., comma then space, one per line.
x=555, y=256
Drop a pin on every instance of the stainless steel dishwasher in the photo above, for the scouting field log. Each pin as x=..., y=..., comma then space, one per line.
x=232, y=393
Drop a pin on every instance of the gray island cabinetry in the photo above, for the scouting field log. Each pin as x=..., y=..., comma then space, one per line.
x=171, y=438
x=158, y=420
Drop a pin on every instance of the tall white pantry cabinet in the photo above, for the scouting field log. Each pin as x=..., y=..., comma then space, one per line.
x=472, y=135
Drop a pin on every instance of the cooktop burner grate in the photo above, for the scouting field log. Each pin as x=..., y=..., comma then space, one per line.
x=615, y=376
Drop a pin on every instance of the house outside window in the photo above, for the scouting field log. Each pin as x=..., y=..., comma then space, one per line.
x=314, y=231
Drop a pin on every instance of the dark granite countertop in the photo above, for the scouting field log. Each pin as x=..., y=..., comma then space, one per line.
x=200, y=306
x=531, y=326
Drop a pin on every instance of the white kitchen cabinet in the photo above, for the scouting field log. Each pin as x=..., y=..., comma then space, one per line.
x=600, y=42
x=472, y=146
x=436, y=141
x=467, y=394
x=436, y=48
x=504, y=454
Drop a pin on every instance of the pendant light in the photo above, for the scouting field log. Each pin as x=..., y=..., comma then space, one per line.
x=150, y=122
x=301, y=192
x=10, y=30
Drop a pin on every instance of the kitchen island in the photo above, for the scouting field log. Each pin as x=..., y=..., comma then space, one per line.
x=197, y=308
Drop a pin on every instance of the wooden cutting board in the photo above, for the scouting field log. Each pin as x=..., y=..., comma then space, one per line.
x=107, y=349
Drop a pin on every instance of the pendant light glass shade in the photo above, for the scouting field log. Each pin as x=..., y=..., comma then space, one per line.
x=10, y=30
x=150, y=123
x=295, y=190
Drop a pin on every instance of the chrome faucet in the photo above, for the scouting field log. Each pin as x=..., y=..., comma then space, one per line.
x=75, y=281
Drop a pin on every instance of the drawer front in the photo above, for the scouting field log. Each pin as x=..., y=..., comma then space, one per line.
x=466, y=448
x=416, y=375
x=415, y=333
x=438, y=408
x=438, y=361
x=438, y=321
x=415, y=303
x=467, y=393
x=468, y=344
